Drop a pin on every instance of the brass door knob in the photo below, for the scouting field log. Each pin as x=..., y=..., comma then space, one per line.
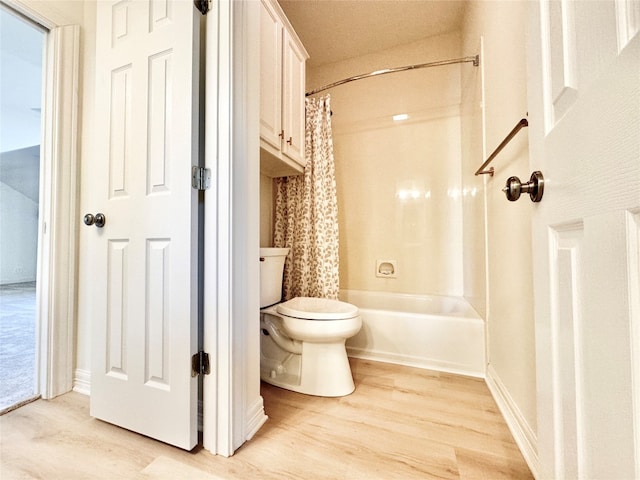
x=534, y=187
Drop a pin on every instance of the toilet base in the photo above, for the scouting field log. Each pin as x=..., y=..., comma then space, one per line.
x=322, y=369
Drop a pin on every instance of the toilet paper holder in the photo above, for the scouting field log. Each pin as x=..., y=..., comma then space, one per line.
x=534, y=187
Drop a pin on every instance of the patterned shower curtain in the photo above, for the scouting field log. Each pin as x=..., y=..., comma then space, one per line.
x=306, y=213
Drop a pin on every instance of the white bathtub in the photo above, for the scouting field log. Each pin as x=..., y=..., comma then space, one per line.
x=439, y=333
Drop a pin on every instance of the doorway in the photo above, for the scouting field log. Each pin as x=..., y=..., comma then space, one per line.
x=21, y=85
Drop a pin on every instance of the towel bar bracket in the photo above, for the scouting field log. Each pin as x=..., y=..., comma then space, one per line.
x=489, y=172
x=521, y=124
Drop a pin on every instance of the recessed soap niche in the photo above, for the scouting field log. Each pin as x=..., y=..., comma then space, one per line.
x=386, y=269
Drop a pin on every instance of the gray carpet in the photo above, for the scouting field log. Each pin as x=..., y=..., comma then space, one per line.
x=17, y=343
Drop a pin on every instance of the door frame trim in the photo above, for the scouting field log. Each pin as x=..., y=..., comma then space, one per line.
x=233, y=407
x=56, y=275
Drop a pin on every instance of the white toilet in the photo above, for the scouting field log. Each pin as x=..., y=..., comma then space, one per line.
x=302, y=340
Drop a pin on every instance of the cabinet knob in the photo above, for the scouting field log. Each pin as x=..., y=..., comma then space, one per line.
x=281, y=134
x=290, y=141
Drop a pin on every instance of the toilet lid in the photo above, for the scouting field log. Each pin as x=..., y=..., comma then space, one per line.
x=317, y=309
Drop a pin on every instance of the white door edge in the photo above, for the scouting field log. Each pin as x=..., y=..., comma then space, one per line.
x=217, y=337
x=233, y=409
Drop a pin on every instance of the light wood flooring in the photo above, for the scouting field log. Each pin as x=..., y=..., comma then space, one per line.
x=400, y=423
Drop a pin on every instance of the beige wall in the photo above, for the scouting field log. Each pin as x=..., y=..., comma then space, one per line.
x=266, y=211
x=510, y=321
x=399, y=190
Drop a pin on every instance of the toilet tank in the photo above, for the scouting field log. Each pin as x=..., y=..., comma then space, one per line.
x=271, y=270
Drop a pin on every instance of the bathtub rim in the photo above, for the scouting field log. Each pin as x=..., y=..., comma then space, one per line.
x=470, y=312
x=442, y=330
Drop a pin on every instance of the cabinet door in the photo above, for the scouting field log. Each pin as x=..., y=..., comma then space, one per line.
x=270, y=77
x=293, y=115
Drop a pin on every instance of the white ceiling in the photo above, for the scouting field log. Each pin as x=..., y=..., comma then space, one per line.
x=335, y=30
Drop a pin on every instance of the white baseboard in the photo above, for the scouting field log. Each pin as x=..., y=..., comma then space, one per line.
x=82, y=381
x=524, y=436
x=414, y=361
x=255, y=418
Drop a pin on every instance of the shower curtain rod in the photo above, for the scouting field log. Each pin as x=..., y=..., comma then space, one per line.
x=475, y=60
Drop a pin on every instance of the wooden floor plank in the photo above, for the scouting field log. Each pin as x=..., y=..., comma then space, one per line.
x=400, y=423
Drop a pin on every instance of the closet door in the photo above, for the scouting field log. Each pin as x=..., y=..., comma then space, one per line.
x=143, y=260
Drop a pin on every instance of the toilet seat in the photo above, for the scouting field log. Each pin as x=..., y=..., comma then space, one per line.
x=308, y=308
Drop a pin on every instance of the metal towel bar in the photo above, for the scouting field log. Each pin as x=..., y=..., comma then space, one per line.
x=481, y=171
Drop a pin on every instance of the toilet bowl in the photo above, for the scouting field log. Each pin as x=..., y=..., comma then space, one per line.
x=302, y=340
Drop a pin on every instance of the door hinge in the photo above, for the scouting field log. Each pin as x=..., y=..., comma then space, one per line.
x=200, y=178
x=202, y=6
x=200, y=364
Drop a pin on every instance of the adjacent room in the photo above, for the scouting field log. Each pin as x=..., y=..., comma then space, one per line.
x=21, y=57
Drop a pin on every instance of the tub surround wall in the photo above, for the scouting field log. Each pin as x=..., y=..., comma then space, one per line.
x=511, y=370
x=473, y=198
x=399, y=190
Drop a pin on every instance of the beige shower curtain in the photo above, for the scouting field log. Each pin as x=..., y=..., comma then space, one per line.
x=306, y=213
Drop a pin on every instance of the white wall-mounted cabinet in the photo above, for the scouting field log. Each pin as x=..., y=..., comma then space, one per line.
x=282, y=83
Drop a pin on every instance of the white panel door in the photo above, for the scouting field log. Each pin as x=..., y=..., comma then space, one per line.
x=584, y=117
x=144, y=289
